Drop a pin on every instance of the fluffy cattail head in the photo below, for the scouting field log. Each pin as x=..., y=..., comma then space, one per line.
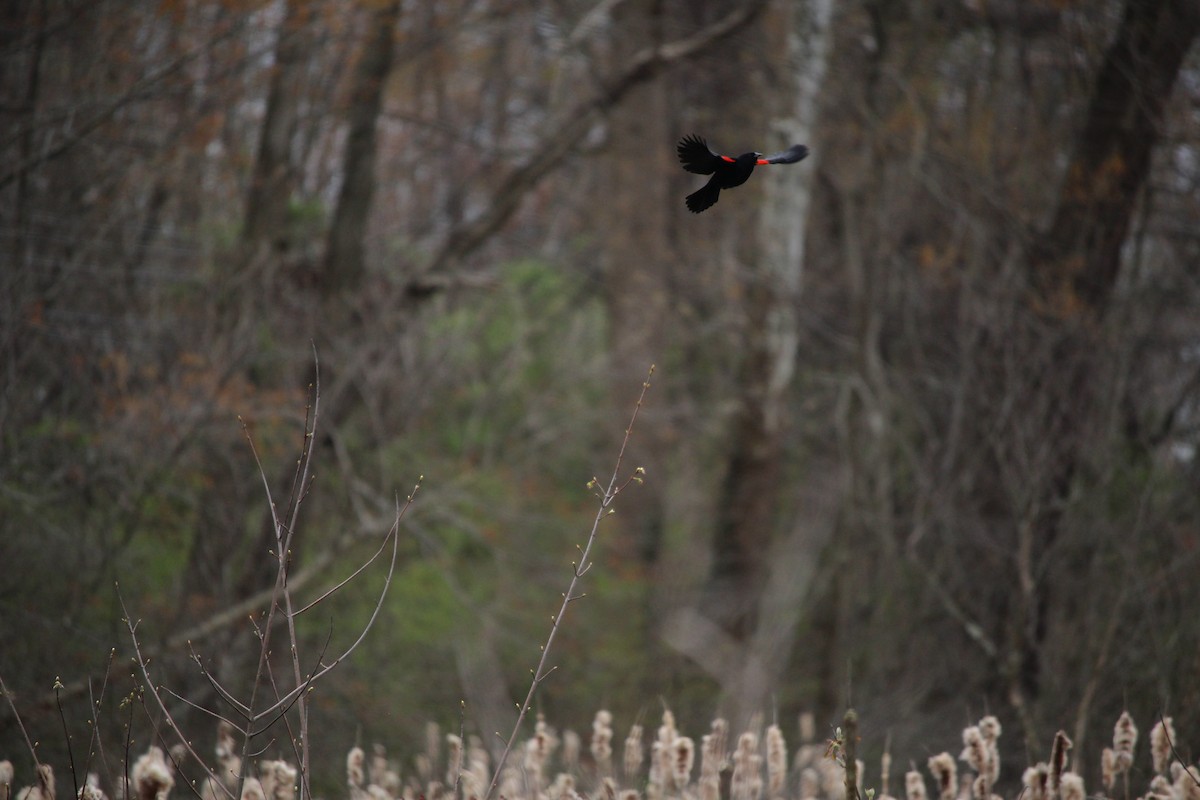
x=974, y=749
x=776, y=761
x=1071, y=787
x=1108, y=768
x=151, y=777
x=746, y=781
x=252, y=790
x=712, y=748
x=945, y=775
x=355, y=767
x=1162, y=736
x=683, y=754
x=454, y=757
x=1058, y=762
x=1125, y=735
x=1186, y=785
x=1035, y=780
x=601, y=746
x=914, y=786
x=571, y=746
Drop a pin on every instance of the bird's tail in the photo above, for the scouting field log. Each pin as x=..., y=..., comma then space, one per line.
x=703, y=198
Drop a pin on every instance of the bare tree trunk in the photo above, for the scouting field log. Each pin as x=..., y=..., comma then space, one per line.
x=345, y=254
x=1074, y=268
x=1075, y=261
x=274, y=177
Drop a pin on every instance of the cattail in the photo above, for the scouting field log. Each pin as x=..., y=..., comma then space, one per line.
x=510, y=782
x=776, y=761
x=571, y=746
x=424, y=768
x=355, y=772
x=1071, y=787
x=1125, y=735
x=974, y=749
x=635, y=752
x=278, y=779
x=601, y=746
x=538, y=751
x=989, y=729
x=454, y=757
x=885, y=772
x=810, y=784
x=1161, y=737
x=662, y=768
x=563, y=787
x=746, y=783
x=657, y=778
x=43, y=789
x=1035, y=779
x=1058, y=763
x=252, y=789
x=1160, y=788
x=89, y=791
x=152, y=779
x=1108, y=768
x=712, y=749
x=945, y=774
x=378, y=765
x=1186, y=785
x=683, y=755
x=629, y=794
x=226, y=740
x=914, y=786
x=6, y=780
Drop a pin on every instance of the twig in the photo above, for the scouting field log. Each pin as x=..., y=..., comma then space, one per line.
x=66, y=737
x=20, y=723
x=578, y=570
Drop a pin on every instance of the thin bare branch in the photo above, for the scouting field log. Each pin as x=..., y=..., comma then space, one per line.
x=540, y=673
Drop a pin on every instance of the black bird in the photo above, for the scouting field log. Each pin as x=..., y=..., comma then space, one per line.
x=727, y=172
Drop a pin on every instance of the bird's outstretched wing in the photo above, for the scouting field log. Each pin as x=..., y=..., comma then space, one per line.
x=790, y=156
x=696, y=156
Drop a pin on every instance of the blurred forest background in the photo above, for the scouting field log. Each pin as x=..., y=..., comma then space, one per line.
x=922, y=435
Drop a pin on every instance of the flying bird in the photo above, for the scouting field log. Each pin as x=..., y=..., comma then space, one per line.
x=727, y=172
